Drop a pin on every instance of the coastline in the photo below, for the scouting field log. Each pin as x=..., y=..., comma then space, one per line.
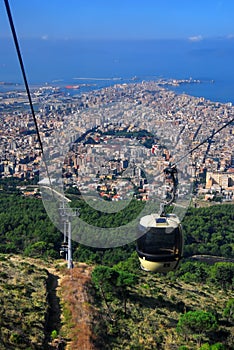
x=213, y=90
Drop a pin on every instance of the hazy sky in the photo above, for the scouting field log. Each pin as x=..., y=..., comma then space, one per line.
x=117, y=19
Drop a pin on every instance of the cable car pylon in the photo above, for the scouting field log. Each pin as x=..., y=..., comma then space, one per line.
x=66, y=215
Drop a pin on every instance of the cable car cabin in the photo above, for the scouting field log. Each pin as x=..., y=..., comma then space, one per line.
x=160, y=249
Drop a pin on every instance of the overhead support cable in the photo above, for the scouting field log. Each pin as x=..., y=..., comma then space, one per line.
x=205, y=140
x=16, y=42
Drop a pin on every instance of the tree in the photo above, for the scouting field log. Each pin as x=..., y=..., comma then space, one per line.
x=223, y=274
x=39, y=249
x=103, y=277
x=216, y=346
x=228, y=312
x=212, y=228
x=192, y=271
x=195, y=324
x=125, y=280
x=113, y=283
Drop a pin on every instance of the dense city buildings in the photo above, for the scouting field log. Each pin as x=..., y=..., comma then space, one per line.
x=100, y=138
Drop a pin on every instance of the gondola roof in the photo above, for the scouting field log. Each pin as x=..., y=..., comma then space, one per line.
x=155, y=220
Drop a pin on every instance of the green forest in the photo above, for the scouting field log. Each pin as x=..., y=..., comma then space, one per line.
x=191, y=308
x=26, y=229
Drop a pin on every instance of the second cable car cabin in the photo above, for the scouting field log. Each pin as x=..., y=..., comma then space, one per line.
x=160, y=249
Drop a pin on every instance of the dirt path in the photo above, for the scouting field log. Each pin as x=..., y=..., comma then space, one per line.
x=71, y=309
x=79, y=312
x=209, y=259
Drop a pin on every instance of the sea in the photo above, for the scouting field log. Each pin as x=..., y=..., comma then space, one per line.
x=93, y=64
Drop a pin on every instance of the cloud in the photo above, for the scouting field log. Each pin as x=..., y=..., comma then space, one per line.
x=45, y=37
x=230, y=36
x=195, y=38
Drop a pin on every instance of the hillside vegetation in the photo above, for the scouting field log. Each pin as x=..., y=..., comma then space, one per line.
x=118, y=307
x=26, y=229
x=24, y=304
x=155, y=304
x=110, y=303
